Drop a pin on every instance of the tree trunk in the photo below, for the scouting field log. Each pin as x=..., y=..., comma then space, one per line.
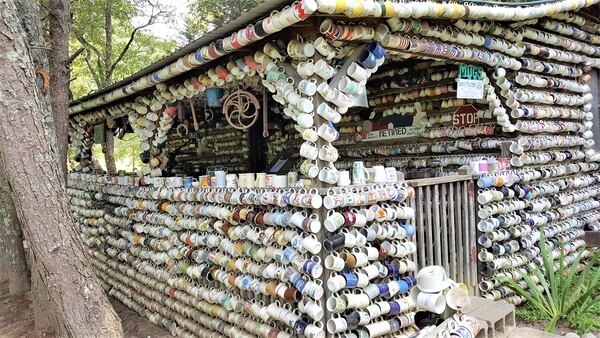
x=109, y=156
x=29, y=156
x=11, y=250
x=59, y=74
x=108, y=41
x=29, y=13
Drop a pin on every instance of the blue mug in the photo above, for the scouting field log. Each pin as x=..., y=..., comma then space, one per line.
x=376, y=49
x=368, y=60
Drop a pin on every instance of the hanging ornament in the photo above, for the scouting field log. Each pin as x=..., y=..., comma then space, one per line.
x=241, y=109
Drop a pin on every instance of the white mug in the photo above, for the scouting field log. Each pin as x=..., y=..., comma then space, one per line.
x=379, y=175
x=391, y=175
x=309, y=150
x=308, y=87
x=328, y=113
x=344, y=179
x=433, y=302
x=305, y=120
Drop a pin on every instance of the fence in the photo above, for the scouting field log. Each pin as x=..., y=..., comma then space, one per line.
x=446, y=215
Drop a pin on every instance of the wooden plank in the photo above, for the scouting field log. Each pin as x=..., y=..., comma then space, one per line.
x=444, y=227
x=429, y=228
x=452, y=230
x=436, y=226
x=465, y=237
x=459, y=226
x=420, y=224
x=438, y=180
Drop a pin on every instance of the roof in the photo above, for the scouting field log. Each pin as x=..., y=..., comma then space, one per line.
x=149, y=76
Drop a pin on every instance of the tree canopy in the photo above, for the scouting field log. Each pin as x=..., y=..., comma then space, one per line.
x=205, y=15
x=113, y=46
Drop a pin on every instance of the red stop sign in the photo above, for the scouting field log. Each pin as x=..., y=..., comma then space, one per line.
x=465, y=116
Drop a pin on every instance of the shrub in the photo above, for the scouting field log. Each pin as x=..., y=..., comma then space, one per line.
x=565, y=294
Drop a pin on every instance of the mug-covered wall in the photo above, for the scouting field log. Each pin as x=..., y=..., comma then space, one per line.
x=280, y=262
x=355, y=103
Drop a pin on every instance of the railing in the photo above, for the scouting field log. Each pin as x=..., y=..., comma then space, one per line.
x=445, y=209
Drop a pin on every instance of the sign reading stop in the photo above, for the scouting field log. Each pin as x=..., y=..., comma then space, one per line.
x=465, y=116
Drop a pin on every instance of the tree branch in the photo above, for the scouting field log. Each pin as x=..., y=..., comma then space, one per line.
x=108, y=39
x=151, y=21
x=84, y=42
x=75, y=55
x=91, y=68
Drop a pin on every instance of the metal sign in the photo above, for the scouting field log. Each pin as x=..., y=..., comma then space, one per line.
x=465, y=116
x=395, y=133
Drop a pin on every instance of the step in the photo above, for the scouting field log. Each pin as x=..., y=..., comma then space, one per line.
x=499, y=316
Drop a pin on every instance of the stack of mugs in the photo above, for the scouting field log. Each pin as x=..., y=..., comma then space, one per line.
x=313, y=79
x=248, y=263
x=370, y=248
x=81, y=138
x=435, y=292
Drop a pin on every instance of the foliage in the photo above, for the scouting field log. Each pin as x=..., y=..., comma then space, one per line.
x=529, y=313
x=585, y=318
x=563, y=291
x=99, y=64
x=206, y=15
x=127, y=154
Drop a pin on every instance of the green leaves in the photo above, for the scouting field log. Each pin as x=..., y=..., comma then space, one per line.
x=93, y=69
x=560, y=290
x=206, y=15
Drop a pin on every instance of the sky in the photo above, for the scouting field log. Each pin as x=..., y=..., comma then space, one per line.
x=168, y=30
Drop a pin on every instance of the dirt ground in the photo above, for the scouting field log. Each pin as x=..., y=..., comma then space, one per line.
x=561, y=329
x=16, y=319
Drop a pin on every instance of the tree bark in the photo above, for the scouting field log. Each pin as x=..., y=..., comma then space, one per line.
x=109, y=156
x=11, y=250
x=108, y=41
x=59, y=74
x=29, y=13
x=29, y=156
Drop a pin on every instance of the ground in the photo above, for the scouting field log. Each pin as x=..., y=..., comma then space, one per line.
x=561, y=329
x=16, y=319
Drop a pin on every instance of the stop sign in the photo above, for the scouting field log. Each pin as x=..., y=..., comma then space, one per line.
x=465, y=116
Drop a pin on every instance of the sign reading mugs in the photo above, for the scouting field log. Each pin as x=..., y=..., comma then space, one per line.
x=469, y=72
x=465, y=116
x=394, y=133
x=469, y=82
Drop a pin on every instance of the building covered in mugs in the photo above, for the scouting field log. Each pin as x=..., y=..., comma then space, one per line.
x=333, y=167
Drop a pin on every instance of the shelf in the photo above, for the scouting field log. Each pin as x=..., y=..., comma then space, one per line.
x=421, y=99
x=389, y=91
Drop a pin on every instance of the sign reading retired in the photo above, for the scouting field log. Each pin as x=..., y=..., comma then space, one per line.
x=394, y=133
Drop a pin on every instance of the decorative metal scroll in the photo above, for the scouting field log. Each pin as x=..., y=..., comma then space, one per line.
x=241, y=109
